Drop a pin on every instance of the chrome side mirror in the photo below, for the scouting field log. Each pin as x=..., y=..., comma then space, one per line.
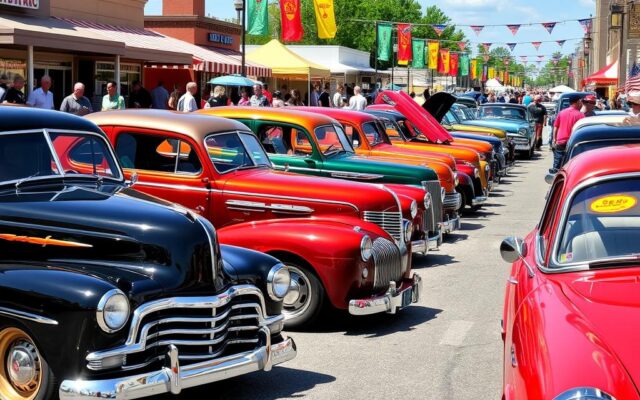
x=549, y=178
x=512, y=249
x=134, y=179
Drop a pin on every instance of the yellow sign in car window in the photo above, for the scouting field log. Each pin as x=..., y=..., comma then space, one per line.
x=613, y=203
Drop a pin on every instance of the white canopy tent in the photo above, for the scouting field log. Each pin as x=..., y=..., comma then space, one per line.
x=561, y=89
x=493, y=84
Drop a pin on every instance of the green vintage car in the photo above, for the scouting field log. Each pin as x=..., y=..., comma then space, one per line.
x=291, y=140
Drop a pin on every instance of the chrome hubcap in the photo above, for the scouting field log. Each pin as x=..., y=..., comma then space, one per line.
x=23, y=366
x=297, y=300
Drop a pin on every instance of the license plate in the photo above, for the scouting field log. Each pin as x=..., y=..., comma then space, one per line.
x=407, y=297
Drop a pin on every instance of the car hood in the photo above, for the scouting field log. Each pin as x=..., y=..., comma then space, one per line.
x=509, y=126
x=393, y=172
x=439, y=104
x=154, y=246
x=610, y=301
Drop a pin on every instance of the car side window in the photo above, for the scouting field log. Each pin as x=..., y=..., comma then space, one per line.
x=352, y=135
x=548, y=216
x=303, y=146
x=156, y=153
x=275, y=139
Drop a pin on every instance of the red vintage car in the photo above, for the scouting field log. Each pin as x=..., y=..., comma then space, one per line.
x=573, y=295
x=344, y=242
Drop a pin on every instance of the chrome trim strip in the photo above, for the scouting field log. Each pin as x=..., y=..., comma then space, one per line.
x=178, y=187
x=206, y=225
x=242, y=205
x=9, y=312
x=355, y=175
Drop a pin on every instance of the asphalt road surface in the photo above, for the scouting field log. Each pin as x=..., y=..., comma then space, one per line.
x=447, y=346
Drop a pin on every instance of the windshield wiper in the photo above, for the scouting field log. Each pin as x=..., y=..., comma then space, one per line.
x=327, y=151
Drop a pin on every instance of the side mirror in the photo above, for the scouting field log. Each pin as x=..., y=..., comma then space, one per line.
x=549, y=178
x=512, y=249
x=134, y=179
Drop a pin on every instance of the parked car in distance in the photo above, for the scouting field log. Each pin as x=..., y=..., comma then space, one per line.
x=513, y=118
x=109, y=293
x=571, y=297
x=345, y=243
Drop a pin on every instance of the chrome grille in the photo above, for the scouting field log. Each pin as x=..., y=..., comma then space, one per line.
x=453, y=201
x=386, y=256
x=391, y=222
x=435, y=219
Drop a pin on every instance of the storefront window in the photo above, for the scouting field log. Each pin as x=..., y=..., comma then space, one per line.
x=11, y=68
x=105, y=72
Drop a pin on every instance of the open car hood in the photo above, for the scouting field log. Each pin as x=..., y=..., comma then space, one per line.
x=439, y=105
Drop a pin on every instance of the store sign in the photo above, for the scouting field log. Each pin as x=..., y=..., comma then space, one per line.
x=33, y=4
x=634, y=23
x=218, y=38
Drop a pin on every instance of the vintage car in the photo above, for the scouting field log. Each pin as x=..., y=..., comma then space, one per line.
x=572, y=298
x=345, y=243
x=108, y=293
x=515, y=119
x=563, y=102
x=469, y=102
x=313, y=144
x=607, y=119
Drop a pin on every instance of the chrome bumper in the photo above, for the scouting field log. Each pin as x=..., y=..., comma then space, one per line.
x=434, y=242
x=479, y=200
x=451, y=224
x=173, y=378
x=420, y=247
x=390, y=302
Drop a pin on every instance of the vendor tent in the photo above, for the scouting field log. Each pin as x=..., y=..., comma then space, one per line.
x=286, y=64
x=493, y=84
x=606, y=76
x=561, y=89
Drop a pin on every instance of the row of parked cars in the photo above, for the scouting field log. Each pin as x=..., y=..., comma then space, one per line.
x=145, y=252
x=572, y=298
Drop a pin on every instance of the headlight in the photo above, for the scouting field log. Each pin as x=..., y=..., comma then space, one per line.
x=414, y=209
x=278, y=282
x=523, y=131
x=113, y=311
x=427, y=200
x=366, y=248
x=476, y=172
x=584, y=393
x=408, y=230
x=456, y=181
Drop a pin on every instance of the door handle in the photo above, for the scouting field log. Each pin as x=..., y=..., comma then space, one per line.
x=200, y=209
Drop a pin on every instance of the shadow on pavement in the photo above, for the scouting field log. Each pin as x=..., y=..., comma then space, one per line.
x=455, y=237
x=466, y=226
x=435, y=258
x=258, y=385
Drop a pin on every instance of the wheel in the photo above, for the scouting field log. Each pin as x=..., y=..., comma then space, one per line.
x=24, y=373
x=303, y=304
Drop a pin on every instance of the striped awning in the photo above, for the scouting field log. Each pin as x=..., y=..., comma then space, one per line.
x=216, y=61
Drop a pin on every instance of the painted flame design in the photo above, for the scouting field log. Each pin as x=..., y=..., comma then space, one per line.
x=47, y=241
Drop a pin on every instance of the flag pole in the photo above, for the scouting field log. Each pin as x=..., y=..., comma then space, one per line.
x=244, y=40
x=376, y=56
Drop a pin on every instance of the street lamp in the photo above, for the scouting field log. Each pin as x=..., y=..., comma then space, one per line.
x=617, y=13
x=240, y=6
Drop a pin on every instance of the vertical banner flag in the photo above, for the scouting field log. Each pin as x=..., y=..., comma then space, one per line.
x=290, y=20
x=453, y=64
x=325, y=18
x=485, y=72
x=257, y=17
x=560, y=42
x=404, y=44
x=549, y=26
x=514, y=28
x=506, y=76
x=434, y=49
x=443, y=61
x=479, y=68
x=512, y=46
x=384, y=41
x=464, y=64
x=586, y=24
x=439, y=29
x=473, y=68
x=501, y=76
x=536, y=45
x=486, y=47
x=418, y=53
x=492, y=73
x=477, y=29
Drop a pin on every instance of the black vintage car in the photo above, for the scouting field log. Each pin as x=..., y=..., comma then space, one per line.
x=109, y=293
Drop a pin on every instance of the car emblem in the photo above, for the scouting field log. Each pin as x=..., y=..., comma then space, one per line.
x=47, y=241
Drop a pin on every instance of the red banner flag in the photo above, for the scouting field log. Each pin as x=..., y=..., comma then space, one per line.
x=549, y=26
x=404, y=44
x=513, y=28
x=506, y=76
x=443, y=61
x=453, y=64
x=292, y=30
x=536, y=44
x=477, y=29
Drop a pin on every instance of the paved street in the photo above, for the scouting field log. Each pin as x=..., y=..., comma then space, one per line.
x=446, y=347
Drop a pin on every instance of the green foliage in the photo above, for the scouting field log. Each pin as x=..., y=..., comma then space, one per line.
x=553, y=74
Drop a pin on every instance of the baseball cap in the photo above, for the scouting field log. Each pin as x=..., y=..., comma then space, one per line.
x=589, y=99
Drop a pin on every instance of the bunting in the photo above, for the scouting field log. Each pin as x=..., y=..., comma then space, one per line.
x=434, y=48
x=477, y=29
x=325, y=18
x=540, y=58
x=453, y=64
x=514, y=29
x=404, y=44
x=439, y=29
x=464, y=65
x=418, y=53
x=486, y=47
x=586, y=24
x=462, y=45
x=511, y=46
x=443, y=61
x=474, y=69
x=290, y=21
x=385, y=32
x=536, y=45
x=523, y=58
x=549, y=26
x=560, y=42
x=257, y=17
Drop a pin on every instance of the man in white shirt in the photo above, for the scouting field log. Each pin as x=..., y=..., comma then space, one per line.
x=357, y=102
x=42, y=97
x=187, y=102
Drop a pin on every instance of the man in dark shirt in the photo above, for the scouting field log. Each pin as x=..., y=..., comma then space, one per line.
x=139, y=96
x=15, y=94
x=324, y=98
x=539, y=114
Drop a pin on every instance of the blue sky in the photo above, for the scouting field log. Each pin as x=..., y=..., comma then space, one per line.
x=479, y=12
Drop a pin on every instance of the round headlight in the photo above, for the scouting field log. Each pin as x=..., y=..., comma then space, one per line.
x=522, y=131
x=408, y=230
x=427, y=200
x=414, y=209
x=366, y=248
x=476, y=172
x=278, y=282
x=584, y=393
x=113, y=311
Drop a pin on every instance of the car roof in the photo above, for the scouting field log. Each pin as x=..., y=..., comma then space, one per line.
x=27, y=118
x=612, y=160
x=611, y=119
x=338, y=113
x=286, y=115
x=603, y=131
x=197, y=126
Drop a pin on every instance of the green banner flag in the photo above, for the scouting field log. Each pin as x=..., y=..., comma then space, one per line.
x=257, y=17
x=464, y=65
x=384, y=42
x=479, y=68
x=417, y=46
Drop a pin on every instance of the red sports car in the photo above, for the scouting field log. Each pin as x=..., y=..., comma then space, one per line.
x=572, y=300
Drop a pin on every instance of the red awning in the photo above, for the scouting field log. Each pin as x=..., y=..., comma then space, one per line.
x=606, y=76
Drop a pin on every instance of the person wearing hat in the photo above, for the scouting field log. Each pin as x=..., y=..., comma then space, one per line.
x=539, y=114
x=589, y=105
x=633, y=99
x=562, y=128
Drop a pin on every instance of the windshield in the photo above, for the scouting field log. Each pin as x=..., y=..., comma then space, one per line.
x=603, y=222
x=235, y=150
x=374, y=133
x=501, y=112
x=55, y=153
x=332, y=140
x=452, y=116
x=588, y=146
x=393, y=130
